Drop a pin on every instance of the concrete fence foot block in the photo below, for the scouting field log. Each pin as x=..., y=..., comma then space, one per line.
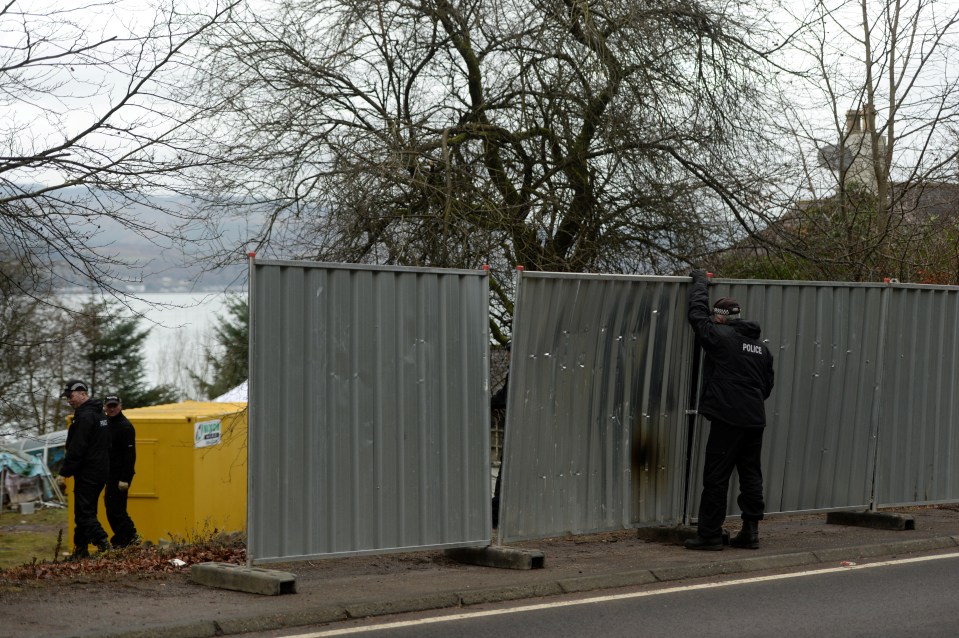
x=239, y=578
x=875, y=520
x=500, y=557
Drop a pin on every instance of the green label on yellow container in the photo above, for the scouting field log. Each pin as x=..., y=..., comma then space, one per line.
x=206, y=433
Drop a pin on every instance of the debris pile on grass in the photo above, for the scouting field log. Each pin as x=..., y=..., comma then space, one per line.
x=137, y=560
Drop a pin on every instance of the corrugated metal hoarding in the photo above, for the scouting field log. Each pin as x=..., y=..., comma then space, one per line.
x=369, y=406
x=865, y=410
x=369, y=410
x=919, y=438
x=595, y=410
x=600, y=378
x=819, y=445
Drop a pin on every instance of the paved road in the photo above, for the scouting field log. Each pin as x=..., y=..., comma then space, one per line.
x=425, y=582
x=908, y=597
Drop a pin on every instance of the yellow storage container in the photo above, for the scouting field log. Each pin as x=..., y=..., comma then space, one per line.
x=190, y=471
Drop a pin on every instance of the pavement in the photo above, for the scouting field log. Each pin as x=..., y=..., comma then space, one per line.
x=333, y=590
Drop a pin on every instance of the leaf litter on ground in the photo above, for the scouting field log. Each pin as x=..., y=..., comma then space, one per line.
x=137, y=560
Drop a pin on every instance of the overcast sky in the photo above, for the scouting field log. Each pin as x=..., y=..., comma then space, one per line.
x=87, y=91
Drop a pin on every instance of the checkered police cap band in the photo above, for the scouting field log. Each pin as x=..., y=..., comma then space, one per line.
x=726, y=306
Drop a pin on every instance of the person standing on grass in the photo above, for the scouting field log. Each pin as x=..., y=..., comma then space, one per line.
x=87, y=460
x=123, y=458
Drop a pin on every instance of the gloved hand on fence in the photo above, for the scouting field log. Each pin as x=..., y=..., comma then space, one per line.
x=123, y=486
x=699, y=275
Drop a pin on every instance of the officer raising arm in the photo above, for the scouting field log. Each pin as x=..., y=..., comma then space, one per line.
x=737, y=379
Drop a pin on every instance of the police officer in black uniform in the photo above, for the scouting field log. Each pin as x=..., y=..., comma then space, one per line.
x=87, y=460
x=737, y=379
x=123, y=458
x=498, y=402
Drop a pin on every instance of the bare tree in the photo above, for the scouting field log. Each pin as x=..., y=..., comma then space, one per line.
x=552, y=134
x=91, y=137
x=91, y=143
x=875, y=190
x=36, y=348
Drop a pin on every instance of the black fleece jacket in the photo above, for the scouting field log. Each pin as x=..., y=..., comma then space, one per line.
x=123, y=453
x=88, y=444
x=738, y=368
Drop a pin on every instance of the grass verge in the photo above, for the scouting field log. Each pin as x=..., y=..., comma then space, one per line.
x=24, y=537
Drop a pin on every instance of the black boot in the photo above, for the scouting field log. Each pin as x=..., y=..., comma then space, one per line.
x=712, y=543
x=748, y=536
x=79, y=553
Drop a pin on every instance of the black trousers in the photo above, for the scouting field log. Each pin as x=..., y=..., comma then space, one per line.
x=86, y=527
x=496, y=488
x=124, y=531
x=728, y=448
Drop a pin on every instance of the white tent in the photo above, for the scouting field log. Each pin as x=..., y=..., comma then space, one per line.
x=239, y=393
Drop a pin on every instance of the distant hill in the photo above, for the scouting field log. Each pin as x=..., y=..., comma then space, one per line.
x=156, y=264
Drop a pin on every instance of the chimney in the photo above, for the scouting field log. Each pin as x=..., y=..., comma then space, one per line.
x=852, y=122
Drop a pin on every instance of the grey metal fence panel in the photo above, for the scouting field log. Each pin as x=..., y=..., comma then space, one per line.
x=369, y=416
x=595, y=422
x=919, y=435
x=822, y=418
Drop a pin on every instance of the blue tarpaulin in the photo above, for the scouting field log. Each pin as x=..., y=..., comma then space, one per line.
x=22, y=464
x=25, y=477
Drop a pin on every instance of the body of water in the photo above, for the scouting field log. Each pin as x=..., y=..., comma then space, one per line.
x=181, y=326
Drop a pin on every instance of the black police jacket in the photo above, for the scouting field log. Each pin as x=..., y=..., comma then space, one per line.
x=737, y=369
x=123, y=450
x=88, y=444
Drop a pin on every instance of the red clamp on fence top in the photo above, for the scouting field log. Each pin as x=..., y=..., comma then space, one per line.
x=519, y=267
x=709, y=274
x=486, y=267
x=885, y=280
x=251, y=255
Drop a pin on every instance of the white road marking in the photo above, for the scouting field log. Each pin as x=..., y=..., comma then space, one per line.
x=602, y=599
